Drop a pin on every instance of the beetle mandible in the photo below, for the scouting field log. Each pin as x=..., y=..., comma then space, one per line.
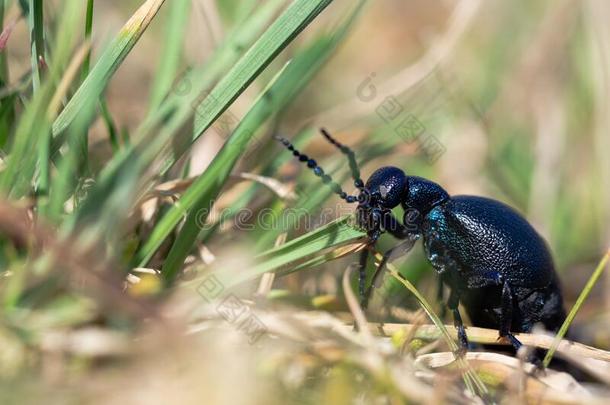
x=493, y=261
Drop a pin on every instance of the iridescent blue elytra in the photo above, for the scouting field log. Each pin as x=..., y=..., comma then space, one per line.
x=491, y=258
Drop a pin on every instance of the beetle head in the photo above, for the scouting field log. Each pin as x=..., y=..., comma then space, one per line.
x=383, y=191
x=385, y=188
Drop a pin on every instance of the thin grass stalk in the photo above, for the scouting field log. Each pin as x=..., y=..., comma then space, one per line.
x=171, y=52
x=152, y=139
x=6, y=103
x=32, y=129
x=88, y=31
x=108, y=63
x=283, y=88
x=36, y=23
x=599, y=270
x=84, y=74
x=472, y=381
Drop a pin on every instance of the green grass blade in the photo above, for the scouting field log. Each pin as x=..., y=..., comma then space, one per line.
x=599, y=270
x=36, y=23
x=205, y=189
x=34, y=125
x=311, y=245
x=292, y=79
x=198, y=198
x=110, y=126
x=203, y=77
x=85, y=72
x=288, y=25
x=88, y=31
x=7, y=110
x=336, y=233
x=65, y=182
x=269, y=170
x=108, y=63
x=171, y=117
x=472, y=381
x=171, y=52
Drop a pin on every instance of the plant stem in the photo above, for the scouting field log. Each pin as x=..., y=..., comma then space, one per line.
x=36, y=20
x=581, y=299
x=88, y=30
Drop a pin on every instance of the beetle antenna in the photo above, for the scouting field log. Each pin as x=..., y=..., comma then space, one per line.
x=317, y=170
x=351, y=158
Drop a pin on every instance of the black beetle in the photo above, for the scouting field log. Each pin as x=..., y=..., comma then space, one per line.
x=493, y=261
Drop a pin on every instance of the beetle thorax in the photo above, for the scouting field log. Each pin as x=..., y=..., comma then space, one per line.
x=423, y=195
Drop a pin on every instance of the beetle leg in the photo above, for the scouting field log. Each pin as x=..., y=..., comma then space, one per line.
x=506, y=316
x=397, y=251
x=365, y=294
x=453, y=304
x=364, y=254
x=396, y=229
x=375, y=280
x=440, y=296
x=402, y=248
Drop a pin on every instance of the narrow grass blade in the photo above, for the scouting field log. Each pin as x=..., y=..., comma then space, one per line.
x=333, y=254
x=200, y=195
x=185, y=93
x=472, y=381
x=65, y=182
x=7, y=110
x=581, y=299
x=314, y=197
x=88, y=31
x=36, y=23
x=85, y=72
x=197, y=201
x=205, y=189
x=334, y=234
x=110, y=126
x=171, y=51
x=71, y=168
x=34, y=124
x=153, y=136
x=298, y=16
x=108, y=63
x=270, y=169
x=307, y=247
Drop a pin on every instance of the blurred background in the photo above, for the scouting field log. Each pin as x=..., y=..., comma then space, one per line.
x=505, y=99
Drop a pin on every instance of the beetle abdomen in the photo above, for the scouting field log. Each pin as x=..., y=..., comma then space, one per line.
x=545, y=305
x=485, y=236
